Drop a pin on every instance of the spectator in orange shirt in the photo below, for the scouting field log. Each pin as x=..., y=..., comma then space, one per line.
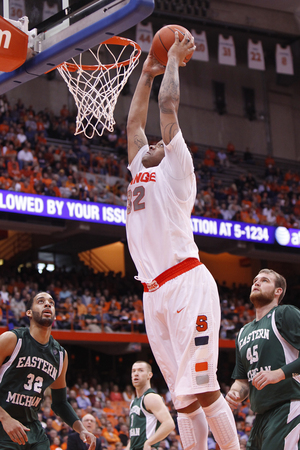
x=4, y=127
x=46, y=180
x=26, y=171
x=137, y=303
x=56, y=444
x=115, y=395
x=13, y=168
x=244, y=214
x=92, y=306
x=27, y=187
x=64, y=112
x=81, y=308
x=10, y=151
x=269, y=161
x=5, y=181
x=210, y=153
x=110, y=434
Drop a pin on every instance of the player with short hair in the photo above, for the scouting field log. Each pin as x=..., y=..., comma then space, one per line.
x=31, y=360
x=268, y=366
x=181, y=301
x=150, y=420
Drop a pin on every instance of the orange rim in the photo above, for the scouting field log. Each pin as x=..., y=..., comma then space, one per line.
x=115, y=40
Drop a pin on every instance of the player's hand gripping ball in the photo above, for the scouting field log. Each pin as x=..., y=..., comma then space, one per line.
x=164, y=39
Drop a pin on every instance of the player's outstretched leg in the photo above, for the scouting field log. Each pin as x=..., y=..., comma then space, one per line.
x=221, y=422
x=193, y=430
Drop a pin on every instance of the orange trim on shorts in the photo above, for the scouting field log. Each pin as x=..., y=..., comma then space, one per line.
x=200, y=367
x=169, y=274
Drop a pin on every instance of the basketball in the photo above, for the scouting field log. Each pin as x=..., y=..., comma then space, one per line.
x=164, y=39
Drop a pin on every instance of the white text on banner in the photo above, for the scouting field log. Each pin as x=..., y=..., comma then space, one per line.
x=226, y=51
x=256, y=59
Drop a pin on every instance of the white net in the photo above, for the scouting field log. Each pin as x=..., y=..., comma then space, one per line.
x=96, y=88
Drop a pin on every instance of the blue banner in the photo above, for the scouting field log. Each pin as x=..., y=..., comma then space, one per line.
x=64, y=208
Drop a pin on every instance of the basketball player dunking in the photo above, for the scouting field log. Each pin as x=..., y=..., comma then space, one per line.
x=181, y=303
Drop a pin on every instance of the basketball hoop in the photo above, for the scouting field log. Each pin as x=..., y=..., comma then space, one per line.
x=96, y=88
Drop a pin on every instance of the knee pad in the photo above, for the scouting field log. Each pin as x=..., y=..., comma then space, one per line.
x=186, y=431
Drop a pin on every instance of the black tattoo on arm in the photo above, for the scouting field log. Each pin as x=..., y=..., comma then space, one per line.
x=169, y=131
x=243, y=392
x=139, y=142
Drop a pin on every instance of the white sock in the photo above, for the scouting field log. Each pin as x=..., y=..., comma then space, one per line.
x=193, y=430
x=221, y=422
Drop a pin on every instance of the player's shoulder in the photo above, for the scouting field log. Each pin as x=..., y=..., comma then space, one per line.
x=55, y=344
x=286, y=311
x=21, y=332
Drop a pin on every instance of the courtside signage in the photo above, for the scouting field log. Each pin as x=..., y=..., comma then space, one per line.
x=64, y=208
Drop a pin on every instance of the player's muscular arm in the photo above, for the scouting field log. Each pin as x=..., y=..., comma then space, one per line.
x=168, y=100
x=239, y=391
x=169, y=93
x=15, y=430
x=65, y=411
x=156, y=406
x=137, y=116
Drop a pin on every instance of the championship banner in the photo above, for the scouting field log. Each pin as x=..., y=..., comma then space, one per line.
x=144, y=36
x=284, y=60
x=16, y=9
x=226, y=53
x=201, y=52
x=256, y=59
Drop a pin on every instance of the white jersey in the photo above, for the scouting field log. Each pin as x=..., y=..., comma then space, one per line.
x=159, y=206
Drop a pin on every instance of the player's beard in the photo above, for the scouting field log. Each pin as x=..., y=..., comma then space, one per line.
x=44, y=321
x=258, y=299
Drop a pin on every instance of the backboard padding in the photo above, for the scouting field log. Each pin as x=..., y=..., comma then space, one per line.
x=86, y=33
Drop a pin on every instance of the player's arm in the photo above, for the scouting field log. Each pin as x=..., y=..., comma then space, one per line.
x=137, y=116
x=15, y=429
x=64, y=410
x=287, y=321
x=154, y=404
x=238, y=392
x=169, y=93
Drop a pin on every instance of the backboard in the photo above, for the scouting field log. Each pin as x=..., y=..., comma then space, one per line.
x=65, y=28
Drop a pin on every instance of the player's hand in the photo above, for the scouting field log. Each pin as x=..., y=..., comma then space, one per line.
x=233, y=399
x=148, y=446
x=181, y=49
x=265, y=377
x=152, y=66
x=88, y=438
x=15, y=430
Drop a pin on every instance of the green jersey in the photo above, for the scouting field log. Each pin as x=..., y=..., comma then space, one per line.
x=269, y=344
x=143, y=424
x=31, y=368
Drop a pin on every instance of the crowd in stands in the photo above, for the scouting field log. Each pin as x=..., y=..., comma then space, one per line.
x=109, y=405
x=31, y=163
x=107, y=302
x=82, y=295
x=96, y=170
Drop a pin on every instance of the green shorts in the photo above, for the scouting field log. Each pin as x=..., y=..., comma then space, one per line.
x=37, y=439
x=277, y=429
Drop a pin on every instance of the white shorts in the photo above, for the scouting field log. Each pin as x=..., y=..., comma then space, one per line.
x=182, y=322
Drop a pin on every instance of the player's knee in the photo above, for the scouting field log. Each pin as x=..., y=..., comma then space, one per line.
x=186, y=431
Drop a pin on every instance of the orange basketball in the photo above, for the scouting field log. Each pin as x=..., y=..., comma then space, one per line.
x=164, y=39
